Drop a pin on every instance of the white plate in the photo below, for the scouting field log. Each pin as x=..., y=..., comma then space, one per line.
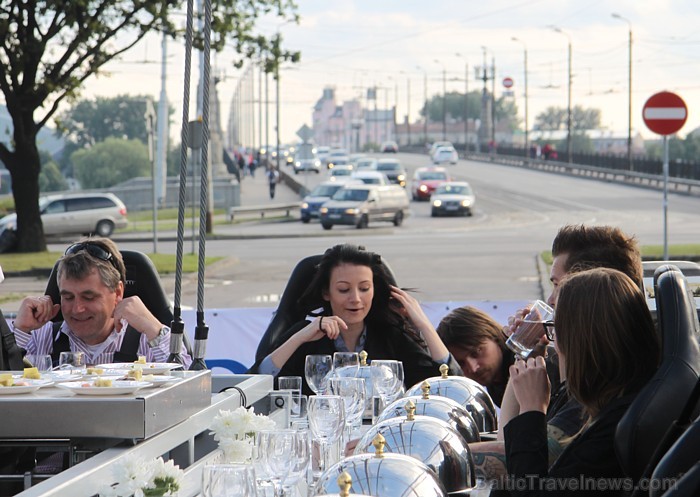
x=33, y=386
x=159, y=380
x=107, y=373
x=148, y=368
x=117, y=388
x=61, y=376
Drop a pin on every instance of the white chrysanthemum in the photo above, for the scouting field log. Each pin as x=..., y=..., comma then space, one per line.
x=132, y=474
x=168, y=469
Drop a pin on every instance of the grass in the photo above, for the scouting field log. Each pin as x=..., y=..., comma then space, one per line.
x=165, y=263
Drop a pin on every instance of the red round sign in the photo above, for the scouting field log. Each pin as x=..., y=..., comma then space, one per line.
x=507, y=82
x=665, y=113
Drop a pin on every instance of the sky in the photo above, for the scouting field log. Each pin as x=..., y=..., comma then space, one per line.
x=393, y=44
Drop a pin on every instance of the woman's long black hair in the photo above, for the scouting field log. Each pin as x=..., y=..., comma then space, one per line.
x=381, y=313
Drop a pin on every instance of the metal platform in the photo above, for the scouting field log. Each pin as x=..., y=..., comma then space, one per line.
x=58, y=413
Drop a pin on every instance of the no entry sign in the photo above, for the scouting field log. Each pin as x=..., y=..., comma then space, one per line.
x=665, y=113
x=507, y=82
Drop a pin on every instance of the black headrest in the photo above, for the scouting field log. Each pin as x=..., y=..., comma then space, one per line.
x=661, y=401
x=289, y=311
x=679, y=460
x=141, y=279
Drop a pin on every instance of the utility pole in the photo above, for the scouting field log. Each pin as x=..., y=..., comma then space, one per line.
x=527, y=137
x=629, y=90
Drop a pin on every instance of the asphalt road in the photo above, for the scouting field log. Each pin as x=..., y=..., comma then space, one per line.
x=489, y=256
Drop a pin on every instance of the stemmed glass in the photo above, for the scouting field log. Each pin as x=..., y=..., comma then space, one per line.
x=299, y=462
x=326, y=420
x=385, y=381
x=352, y=390
x=228, y=480
x=275, y=451
x=347, y=362
x=316, y=369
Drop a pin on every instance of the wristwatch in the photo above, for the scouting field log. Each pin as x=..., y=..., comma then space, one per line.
x=159, y=337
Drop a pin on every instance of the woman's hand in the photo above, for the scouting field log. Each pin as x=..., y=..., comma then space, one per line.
x=531, y=384
x=515, y=320
x=407, y=306
x=329, y=326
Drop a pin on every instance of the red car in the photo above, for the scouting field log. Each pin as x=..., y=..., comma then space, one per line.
x=426, y=179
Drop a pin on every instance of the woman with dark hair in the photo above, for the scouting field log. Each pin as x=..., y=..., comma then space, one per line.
x=609, y=349
x=361, y=310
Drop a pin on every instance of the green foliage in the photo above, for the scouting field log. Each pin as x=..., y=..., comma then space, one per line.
x=111, y=162
x=91, y=121
x=51, y=179
x=455, y=106
x=678, y=149
x=555, y=118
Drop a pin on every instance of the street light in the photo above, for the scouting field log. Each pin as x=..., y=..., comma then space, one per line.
x=466, y=104
x=568, y=105
x=629, y=90
x=425, y=104
x=444, y=99
x=527, y=138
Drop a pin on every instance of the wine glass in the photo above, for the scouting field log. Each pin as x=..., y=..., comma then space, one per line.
x=326, y=415
x=275, y=447
x=352, y=391
x=42, y=362
x=385, y=381
x=72, y=361
x=316, y=369
x=228, y=480
x=348, y=362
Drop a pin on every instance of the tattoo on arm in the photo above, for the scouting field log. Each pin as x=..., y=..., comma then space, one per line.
x=489, y=460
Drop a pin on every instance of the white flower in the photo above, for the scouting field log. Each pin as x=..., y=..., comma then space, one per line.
x=235, y=431
x=132, y=474
x=135, y=477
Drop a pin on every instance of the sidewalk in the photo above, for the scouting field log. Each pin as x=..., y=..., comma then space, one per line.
x=256, y=191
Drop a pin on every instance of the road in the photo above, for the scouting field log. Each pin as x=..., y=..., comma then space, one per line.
x=489, y=256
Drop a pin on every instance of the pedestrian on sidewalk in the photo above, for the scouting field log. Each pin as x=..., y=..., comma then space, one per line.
x=273, y=177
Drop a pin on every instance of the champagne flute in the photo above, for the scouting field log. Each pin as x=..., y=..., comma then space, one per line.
x=316, y=369
x=384, y=382
x=326, y=419
x=299, y=462
x=352, y=391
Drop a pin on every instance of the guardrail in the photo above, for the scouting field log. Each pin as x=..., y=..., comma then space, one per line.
x=678, y=185
x=238, y=211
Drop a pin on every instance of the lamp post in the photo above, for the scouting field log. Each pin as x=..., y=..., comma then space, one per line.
x=629, y=89
x=444, y=99
x=408, y=107
x=466, y=104
x=568, y=105
x=527, y=137
x=425, y=104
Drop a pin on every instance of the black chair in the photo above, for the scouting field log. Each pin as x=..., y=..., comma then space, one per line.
x=661, y=402
x=289, y=311
x=141, y=279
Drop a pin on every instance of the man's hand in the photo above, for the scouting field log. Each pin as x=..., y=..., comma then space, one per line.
x=135, y=312
x=531, y=384
x=35, y=312
x=515, y=320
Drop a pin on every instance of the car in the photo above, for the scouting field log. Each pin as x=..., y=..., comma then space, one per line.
x=371, y=177
x=307, y=165
x=433, y=148
x=358, y=205
x=393, y=170
x=366, y=164
x=337, y=156
x=453, y=197
x=318, y=196
x=341, y=173
x=426, y=179
x=322, y=153
x=444, y=155
x=389, y=147
x=77, y=214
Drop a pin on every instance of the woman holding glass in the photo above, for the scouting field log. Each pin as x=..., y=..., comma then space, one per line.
x=609, y=349
x=361, y=310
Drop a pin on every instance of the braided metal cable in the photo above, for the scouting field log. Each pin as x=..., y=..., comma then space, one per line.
x=204, y=184
x=183, y=156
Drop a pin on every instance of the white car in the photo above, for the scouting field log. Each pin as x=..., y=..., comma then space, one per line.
x=371, y=177
x=341, y=173
x=436, y=145
x=452, y=198
x=366, y=164
x=444, y=155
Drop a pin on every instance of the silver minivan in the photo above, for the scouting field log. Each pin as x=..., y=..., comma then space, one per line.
x=77, y=214
x=358, y=205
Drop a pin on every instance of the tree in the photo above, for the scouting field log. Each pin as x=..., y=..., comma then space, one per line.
x=111, y=162
x=92, y=121
x=49, y=48
x=554, y=118
x=51, y=179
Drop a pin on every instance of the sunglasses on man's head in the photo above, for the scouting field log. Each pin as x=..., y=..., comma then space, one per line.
x=93, y=249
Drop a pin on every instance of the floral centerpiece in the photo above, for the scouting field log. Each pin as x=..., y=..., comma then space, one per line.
x=154, y=478
x=235, y=431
